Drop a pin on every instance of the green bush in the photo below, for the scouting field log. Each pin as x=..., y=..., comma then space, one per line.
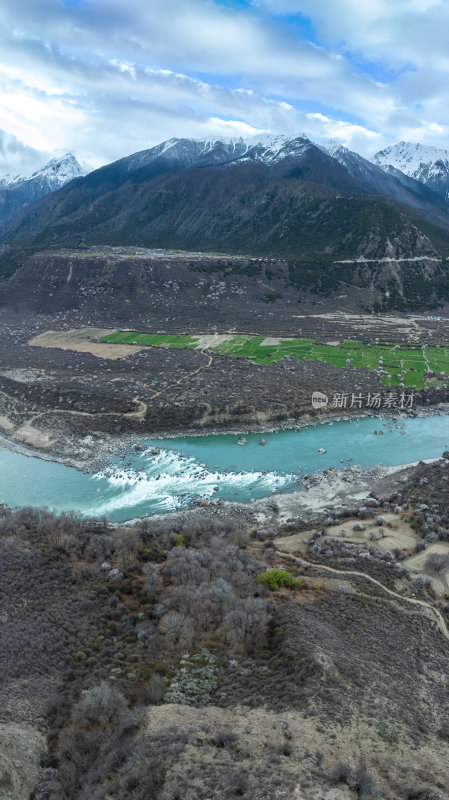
x=179, y=540
x=80, y=655
x=275, y=578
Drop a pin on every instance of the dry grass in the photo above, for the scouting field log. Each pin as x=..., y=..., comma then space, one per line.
x=400, y=535
x=259, y=748
x=84, y=341
x=417, y=565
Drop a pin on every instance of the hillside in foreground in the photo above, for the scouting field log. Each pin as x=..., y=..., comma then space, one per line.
x=153, y=661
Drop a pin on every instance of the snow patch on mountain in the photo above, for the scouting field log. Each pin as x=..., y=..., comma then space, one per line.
x=56, y=173
x=272, y=149
x=265, y=148
x=419, y=161
x=357, y=166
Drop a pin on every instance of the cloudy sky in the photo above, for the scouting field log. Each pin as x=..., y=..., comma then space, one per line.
x=105, y=78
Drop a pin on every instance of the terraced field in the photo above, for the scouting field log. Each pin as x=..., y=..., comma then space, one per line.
x=404, y=364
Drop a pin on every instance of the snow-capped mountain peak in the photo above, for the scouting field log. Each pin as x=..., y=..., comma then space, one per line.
x=424, y=163
x=273, y=148
x=8, y=180
x=356, y=165
x=412, y=158
x=61, y=170
x=19, y=191
x=334, y=148
x=266, y=148
x=56, y=173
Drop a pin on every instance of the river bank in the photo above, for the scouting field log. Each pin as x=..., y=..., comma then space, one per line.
x=331, y=494
x=299, y=473
x=95, y=451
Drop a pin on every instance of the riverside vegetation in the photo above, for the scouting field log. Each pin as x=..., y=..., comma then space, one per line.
x=192, y=656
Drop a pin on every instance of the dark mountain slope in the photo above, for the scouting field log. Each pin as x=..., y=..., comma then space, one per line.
x=249, y=197
x=361, y=246
x=289, y=201
x=126, y=187
x=392, y=183
x=237, y=209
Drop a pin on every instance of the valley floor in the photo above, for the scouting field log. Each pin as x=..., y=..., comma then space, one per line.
x=66, y=396
x=333, y=690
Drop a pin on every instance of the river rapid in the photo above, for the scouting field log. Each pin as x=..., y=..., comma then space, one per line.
x=171, y=474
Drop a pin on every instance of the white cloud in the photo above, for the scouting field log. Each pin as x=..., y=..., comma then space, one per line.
x=355, y=137
x=405, y=31
x=232, y=127
x=403, y=44
x=16, y=158
x=105, y=78
x=124, y=101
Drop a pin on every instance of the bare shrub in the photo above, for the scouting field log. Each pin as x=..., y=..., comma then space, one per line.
x=126, y=546
x=102, y=707
x=49, y=786
x=85, y=572
x=153, y=582
x=157, y=688
x=187, y=566
x=171, y=626
x=100, y=547
x=365, y=785
x=422, y=794
x=343, y=772
x=237, y=782
x=438, y=564
x=224, y=738
x=100, y=721
x=247, y=623
x=150, y=636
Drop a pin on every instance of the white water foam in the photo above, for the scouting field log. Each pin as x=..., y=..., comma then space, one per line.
x=170, y=481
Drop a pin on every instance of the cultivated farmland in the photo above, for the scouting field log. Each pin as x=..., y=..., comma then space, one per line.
x=409, y=365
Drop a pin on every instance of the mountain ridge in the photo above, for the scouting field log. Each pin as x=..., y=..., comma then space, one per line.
x=424, y=163
x=58, y=170
x=112, y=192
x=16, y=193
x=336, y=218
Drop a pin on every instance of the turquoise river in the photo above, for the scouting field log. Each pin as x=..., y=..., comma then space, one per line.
x=216, y=467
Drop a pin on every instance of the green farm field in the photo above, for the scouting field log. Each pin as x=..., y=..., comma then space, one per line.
x=413, y=361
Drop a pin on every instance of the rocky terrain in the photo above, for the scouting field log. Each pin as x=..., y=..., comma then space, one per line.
x=177, y=673
x=72, y=403
x=235, y=290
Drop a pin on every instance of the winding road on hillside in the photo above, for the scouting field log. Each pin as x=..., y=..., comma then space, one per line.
x=343, y=573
